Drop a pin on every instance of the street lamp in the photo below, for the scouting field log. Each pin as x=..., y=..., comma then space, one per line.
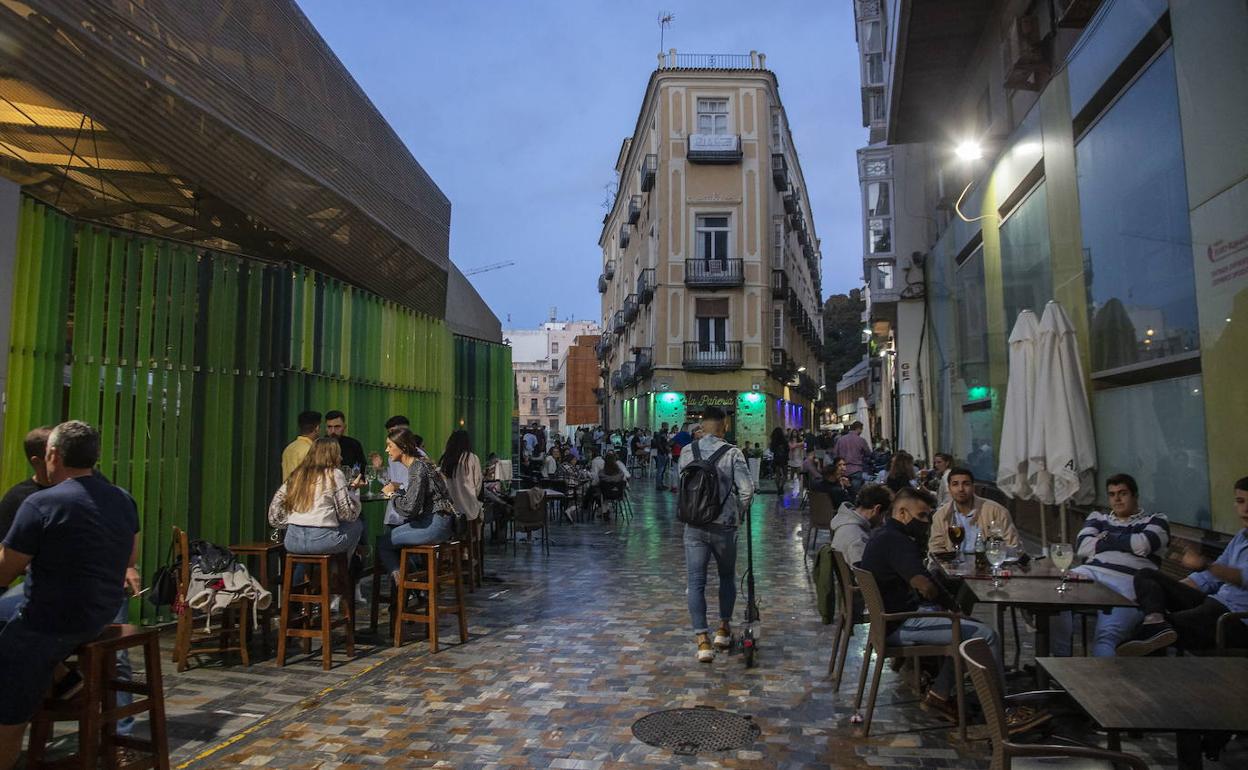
x=969, y=150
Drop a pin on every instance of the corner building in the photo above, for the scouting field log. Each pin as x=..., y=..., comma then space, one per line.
x=711, y=268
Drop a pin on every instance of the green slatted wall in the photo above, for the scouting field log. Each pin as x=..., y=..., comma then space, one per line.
x=195, y=363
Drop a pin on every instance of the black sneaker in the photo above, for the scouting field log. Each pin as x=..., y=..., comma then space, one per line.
x=1151, y=637
x=69, y=686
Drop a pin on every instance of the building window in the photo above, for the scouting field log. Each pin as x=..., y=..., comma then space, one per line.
x=881, y=277
x=1136, y=229
x=777, y=131
x=777, y=243
x=712, y=323
x=1156, y=432
x=712, y=116
x=879, y=235
x=777, y=326
x=712, y=237
x=1026, y=270
x=554, y=348
x=554, y=425
x=532, y=406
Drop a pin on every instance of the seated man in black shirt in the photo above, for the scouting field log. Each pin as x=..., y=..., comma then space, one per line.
x=835, y=484
x=894, y=556
x=77, y=542
x=352, y=450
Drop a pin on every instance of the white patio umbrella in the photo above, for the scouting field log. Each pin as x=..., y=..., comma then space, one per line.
x=1061, y=446
x=911, y=437
x=1020, y=399
x=864, y=417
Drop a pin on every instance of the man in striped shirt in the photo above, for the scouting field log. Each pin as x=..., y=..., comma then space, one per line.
x=1115, y=546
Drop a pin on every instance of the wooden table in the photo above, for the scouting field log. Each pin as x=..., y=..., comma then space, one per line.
x=1184, y=695
x=1044, y=600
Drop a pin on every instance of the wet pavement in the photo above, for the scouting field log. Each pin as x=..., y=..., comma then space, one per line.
x=566, y=652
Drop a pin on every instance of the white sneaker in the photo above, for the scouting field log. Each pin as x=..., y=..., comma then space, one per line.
x=723, y=638
x=706, y=653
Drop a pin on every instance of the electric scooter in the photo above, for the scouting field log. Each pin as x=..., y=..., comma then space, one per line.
x=750, y=631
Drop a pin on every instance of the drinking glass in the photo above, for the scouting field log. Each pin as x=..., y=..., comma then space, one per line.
x=1062, y=555
x=996, y=551
x=956, y=535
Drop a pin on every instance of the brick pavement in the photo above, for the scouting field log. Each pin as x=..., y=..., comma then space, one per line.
x=566, y=652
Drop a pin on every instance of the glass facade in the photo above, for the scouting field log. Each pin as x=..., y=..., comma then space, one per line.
x=1026, y=269
x=972, y=318
x=1156, y=432
x=1136, y=229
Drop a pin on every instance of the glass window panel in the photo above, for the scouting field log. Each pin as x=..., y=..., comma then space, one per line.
x=1026, y=271
x=871, y=41
x=978, y=451
x=879, y=236
x=972, y=326
x=873, y=68
x=1136, y=228
x=1156, y=433
x=878, y=203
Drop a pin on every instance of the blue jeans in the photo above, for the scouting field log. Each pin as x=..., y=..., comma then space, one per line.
x=660, y=469
x=1112, y=628
x=424, y=530
x=700, y=545
x=940, y=631
x=312, y=540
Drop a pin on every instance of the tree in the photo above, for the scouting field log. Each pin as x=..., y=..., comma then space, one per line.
x=843, y=348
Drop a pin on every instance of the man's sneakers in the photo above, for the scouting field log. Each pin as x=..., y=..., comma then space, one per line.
x=723, y=637
x=1151, y=637
x=1021, y=719
x=706, y=652
x=943, y=706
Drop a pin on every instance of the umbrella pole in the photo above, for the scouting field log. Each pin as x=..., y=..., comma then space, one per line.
x=1062, y=509
x=1044, y=530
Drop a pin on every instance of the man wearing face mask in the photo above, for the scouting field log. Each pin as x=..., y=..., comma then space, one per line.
x=894, y=555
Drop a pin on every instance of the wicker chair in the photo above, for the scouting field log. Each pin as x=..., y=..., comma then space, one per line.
x=529, y=518
x=821, y=513
x=845, y=617
x=876, y=643
x=1006, y=754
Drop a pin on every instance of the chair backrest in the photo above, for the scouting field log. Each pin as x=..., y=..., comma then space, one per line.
x=989, y=689
x=526, y=513
x=821, y=510
x=874, y=603
x=612, y=490
x=845, y=580
x=182, y=549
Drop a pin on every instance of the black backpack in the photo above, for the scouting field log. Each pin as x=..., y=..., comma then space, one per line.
x=699, y=502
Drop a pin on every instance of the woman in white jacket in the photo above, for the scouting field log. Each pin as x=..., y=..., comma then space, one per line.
x=462, y=470
x=318, y=506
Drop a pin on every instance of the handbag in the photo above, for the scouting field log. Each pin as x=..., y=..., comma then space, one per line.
x=164, y=585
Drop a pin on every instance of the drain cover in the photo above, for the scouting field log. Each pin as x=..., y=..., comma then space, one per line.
x=689, y=731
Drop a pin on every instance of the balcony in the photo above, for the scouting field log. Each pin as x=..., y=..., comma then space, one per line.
x=628, y=373
x=603, y=348
x=779, y=172
x=643, y=362
x=634, y=209
x=712, y=356
x=630, y=308
x=649, y=170
x=556, y=383
x=602, y=283
x=714, y=273
x=617, y=382
x=609, y=270
x=626, y=234
x=782, y=367
x=790, y=202
x=779, y=284
x=714, y=148
x=600, y=396
x=645, y=286
x=618, y=324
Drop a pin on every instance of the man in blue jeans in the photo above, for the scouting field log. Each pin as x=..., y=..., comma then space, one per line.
x=893, y=555
x=79, y=539
x=717, y=540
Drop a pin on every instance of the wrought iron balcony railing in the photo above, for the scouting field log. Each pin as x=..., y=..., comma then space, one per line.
x=630, y=308
x=628, y=373
x=643, y=361
x=779, y=171
x=714, y=273
x=645, y=286
x=634, y=209
x=618, y=324
x=602, y=283
x=626, y=235
x=649, y=170
x=609, y=270
x=779, y=284
x=712, y=355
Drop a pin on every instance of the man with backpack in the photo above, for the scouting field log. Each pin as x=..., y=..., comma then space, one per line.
x=715, y=491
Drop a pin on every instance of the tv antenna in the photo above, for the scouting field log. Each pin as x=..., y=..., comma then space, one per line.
x=665, y=20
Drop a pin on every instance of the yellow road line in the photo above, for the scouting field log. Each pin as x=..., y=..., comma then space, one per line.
x=236, y=737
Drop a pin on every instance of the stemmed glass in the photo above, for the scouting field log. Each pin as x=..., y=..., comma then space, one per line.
x=996, y=551
x=1062, y=555
x=956, y=535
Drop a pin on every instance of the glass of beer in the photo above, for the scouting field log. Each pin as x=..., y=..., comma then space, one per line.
x=956, y=535
x=1062, y=555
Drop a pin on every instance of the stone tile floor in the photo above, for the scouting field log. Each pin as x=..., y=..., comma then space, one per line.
x=566, y=652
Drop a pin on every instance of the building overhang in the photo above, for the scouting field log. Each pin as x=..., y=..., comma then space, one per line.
x=936, y=41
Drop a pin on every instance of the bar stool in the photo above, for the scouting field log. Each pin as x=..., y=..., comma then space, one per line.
x=263, y=553
x=443, y=562
x=96, y=710
x=322, y=572
x=471, y=557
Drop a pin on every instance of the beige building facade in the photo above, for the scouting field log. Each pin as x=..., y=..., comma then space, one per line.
x=711, y=283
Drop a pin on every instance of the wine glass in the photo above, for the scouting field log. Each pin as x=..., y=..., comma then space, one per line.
x=1062, y=555
x=956, y=535
x=996, y=552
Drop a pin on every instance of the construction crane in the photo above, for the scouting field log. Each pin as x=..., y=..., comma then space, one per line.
x=488, y=268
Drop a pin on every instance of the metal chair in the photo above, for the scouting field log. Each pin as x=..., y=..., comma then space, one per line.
x=529, y=518
x=986, y=678
x=615, y=494
x=846, y=615
x=876, y=643
x=821, y=513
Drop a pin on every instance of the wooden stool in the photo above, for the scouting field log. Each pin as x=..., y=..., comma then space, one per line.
x=442, y=562
x=471, y=558
x=96, y=710
x=323, y=570
x=263, y=553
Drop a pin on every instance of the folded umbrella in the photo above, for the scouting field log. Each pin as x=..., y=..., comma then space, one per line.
x=1020, y=400
x=864, y=417
x=911, y=436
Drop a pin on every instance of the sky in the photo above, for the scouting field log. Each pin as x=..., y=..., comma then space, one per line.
x=517, y=109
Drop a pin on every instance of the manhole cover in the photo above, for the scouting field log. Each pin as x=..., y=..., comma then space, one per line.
x=690, y=731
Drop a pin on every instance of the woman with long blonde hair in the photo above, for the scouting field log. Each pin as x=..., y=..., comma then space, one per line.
x=318, y=505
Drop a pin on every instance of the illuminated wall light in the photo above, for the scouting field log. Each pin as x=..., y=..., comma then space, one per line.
x=1150, y=332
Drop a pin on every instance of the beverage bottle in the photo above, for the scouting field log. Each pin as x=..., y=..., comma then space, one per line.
x=981, y=559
